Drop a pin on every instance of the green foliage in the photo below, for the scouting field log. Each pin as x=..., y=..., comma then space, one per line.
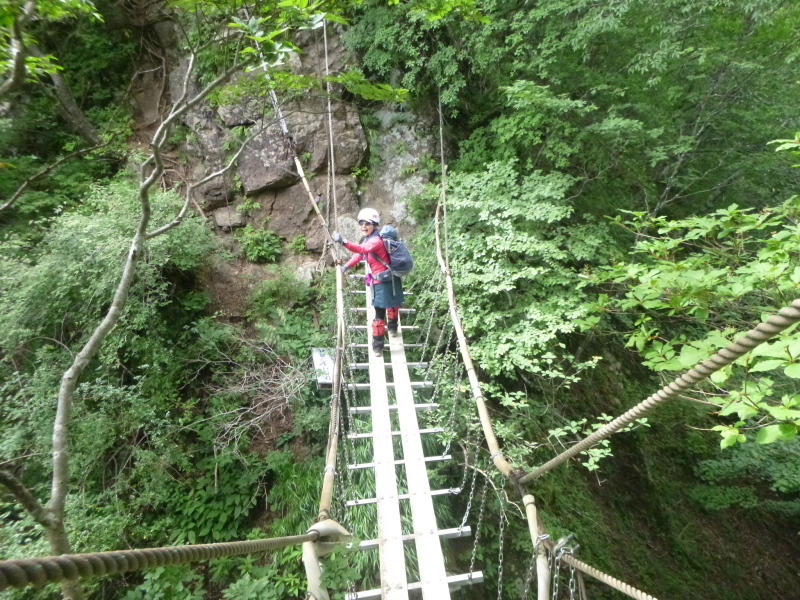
x=580, y=430
x=260, y=245
x=337, y=573
x=215, y=507
x=354, y=82
x=298, y=244
x=290, y=333
x=733, y=479
x=641, y=102
x=275, y=581
x=282, y=289
x=699, y=281
x=62, y=287
x=514, y=252
x=47, y=11
x=178, y=582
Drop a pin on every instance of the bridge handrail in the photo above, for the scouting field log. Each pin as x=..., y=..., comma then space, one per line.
x=51, y=569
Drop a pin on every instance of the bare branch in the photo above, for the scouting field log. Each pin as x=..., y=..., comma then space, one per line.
x=190, y=190
x=69, y=108
x=69, y=380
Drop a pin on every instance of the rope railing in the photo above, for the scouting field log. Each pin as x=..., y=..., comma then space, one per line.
x=52, y=569
x=610, y=581
x=784, y=319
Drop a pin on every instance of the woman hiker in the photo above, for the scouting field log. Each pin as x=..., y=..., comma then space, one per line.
x=387, y=291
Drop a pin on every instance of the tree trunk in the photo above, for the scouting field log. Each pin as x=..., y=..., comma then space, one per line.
x=69, y=109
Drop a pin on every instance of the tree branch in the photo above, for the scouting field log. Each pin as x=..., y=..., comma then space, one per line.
x=18, y=53
x=69, y=380
x=47, y=170
x=190, y=190
x=23, y=495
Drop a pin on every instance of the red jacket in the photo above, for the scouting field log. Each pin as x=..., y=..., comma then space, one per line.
x=373, y=243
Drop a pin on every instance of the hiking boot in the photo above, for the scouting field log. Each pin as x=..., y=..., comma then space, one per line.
x=378, y=331
x=392, y=327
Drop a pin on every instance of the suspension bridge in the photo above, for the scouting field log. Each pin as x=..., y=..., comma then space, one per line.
x=385, y=436
x=380, y=441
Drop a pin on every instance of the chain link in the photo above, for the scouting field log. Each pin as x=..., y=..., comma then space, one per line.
x=501, y=541
x=478, y=527
x=430, y=319
x=467, y=450
x=450, y=428
x=556, y=572
x=572, y=582
x=537, y=547
x=472, y=487
x=448, y=326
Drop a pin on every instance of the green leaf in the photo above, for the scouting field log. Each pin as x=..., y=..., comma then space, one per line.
x=793, y=370
x=768, y=434
x=721, y=376
x=767, y=365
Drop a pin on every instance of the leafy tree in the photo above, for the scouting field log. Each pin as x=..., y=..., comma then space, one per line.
x=698, y=282
x=652, y=106
x=514, y=247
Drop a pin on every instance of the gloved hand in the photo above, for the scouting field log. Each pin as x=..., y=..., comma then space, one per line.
x=344, y=269
x=337, y=237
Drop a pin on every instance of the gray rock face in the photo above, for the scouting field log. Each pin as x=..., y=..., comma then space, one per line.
x=289, y=212
x=215, y=194
x=266, y=171
x=268, y=163
x=401, y=141
x=228, y=217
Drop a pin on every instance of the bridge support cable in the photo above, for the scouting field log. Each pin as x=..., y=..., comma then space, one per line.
x=52, y=569
x=784, y=319
x=314, y=550
x=610, y=581
x=537, y=535
x=535, y=527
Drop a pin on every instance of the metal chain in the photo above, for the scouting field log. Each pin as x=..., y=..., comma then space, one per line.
x=450, y=427
x=478, y=527
x=467, y=446
x=472, y=487
x=556, y=571
x=537, y=546
x=572, y=582
x=430, y=318
x=501, y=541
x=448, y=325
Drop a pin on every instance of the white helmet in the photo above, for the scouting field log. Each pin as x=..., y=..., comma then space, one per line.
x=369, y=214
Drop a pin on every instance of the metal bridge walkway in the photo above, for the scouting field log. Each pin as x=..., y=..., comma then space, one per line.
x=434, y=583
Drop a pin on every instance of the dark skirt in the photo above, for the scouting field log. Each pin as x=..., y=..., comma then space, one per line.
x=386, y=297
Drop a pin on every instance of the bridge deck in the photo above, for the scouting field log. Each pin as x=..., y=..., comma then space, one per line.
x=434, y=582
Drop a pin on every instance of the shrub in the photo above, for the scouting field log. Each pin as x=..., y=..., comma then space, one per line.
x=260, y=245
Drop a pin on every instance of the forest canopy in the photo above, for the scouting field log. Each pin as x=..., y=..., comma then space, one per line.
x=621, y=187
